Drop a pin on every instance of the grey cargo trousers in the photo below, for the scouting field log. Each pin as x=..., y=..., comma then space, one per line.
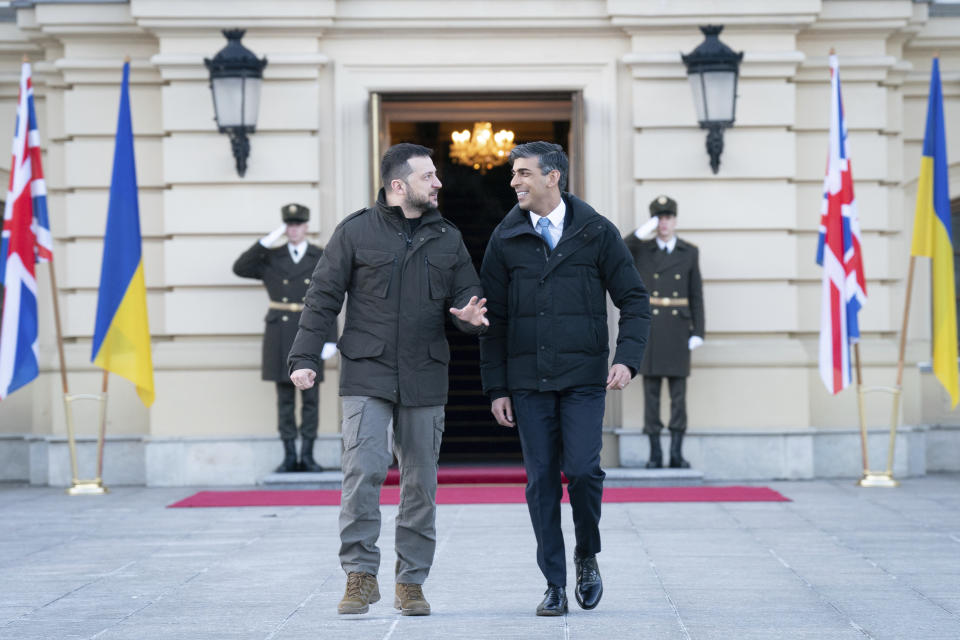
x=417, y=432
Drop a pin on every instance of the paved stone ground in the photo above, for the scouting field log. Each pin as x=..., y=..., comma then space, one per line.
x=838, y=562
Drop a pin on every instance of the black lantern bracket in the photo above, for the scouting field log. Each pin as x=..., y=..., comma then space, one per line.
x=236, y=62
x=713, y=69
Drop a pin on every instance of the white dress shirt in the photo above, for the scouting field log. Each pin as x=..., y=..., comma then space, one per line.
x=556, y=222
x=668, y=245
x=297, y=251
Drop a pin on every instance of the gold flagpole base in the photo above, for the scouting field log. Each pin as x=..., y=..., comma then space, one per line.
x=874, y=479
x=87, y=488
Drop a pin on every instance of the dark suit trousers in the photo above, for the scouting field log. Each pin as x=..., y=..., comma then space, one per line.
x=309, y=412
x=562, y=430
x=651, y=404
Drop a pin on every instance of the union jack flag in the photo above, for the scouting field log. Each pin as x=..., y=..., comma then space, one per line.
x=839, y=253
x=25, y=241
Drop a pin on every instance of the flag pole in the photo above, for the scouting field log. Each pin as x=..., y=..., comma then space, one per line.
x=77, y=486
x=861, y=411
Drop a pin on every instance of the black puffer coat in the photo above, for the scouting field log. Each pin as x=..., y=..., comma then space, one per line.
x=399, y=288
x=548, y=313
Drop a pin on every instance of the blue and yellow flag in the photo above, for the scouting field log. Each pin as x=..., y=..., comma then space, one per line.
x=121, y=338
x=932, y=238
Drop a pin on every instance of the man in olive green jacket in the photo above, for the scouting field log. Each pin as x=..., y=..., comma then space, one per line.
x=402, y=267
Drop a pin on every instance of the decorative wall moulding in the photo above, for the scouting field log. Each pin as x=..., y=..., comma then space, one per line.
x=283, y=66
x=772, y=64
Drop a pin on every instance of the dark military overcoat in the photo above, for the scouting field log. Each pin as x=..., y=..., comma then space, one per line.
x=673, y=276
x=286, y=282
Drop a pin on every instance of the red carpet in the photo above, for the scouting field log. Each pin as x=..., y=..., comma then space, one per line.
x=478, y=495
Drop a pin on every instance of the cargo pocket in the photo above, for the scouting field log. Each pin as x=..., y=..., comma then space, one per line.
x=352, y=416
x=440, y=274
x=373, y=272
x=438, y=423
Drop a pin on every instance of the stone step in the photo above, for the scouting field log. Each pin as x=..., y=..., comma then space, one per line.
x=616, y=477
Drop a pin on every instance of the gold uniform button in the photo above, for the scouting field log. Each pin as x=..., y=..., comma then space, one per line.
x=656, y=294
x=285, y=281
x=676, y=276
x=306, y=281
x=284, y=318
x=285, y=299
x=675, y=312
x=656, y=312
x=656, y=275
x=675, y=294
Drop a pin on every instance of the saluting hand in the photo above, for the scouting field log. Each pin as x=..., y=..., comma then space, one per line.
x=303, y=378
x=618, y=378
x=474, y=313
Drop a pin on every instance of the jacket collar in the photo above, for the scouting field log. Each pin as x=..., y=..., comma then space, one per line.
x=517, y=221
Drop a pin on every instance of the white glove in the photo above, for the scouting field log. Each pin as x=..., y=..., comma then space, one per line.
x=648, y=227
x=270, y=239
x=329, y=349
x=694, y=342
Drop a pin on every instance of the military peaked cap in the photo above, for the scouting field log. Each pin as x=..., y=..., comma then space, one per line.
x=663, y=206
x=294, y=213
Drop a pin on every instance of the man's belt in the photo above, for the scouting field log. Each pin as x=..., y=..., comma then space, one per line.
x=669, y=302
x=286, y=306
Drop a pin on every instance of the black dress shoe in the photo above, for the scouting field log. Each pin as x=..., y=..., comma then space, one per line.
x=554, y=602
x=589, y=585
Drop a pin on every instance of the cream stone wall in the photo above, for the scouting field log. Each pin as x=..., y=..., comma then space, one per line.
x=755, y=221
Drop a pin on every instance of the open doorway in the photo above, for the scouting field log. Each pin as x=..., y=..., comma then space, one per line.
x=475, y=201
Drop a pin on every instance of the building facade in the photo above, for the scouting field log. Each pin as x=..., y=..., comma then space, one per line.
x=346, y=77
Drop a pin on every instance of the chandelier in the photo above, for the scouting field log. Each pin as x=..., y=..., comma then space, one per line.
x=484, y=149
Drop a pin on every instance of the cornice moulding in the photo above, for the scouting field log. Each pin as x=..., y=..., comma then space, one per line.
x=285, y=66
x=103, y=70
x=261, y=25
x=762, y=21
x=776, y=64
x=852, y=68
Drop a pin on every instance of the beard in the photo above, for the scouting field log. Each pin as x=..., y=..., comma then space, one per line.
x=420, y=202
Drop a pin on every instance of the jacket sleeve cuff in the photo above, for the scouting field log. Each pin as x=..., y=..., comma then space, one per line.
x=496, y=394
x=303, y=364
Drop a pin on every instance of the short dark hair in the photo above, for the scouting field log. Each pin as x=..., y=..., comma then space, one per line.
x=550, y=156
x=394, y=163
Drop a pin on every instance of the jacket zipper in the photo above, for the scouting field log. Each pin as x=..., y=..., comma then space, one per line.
x=398, y=264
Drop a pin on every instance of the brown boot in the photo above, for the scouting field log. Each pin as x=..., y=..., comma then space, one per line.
x=410, y=600
x=362, y=591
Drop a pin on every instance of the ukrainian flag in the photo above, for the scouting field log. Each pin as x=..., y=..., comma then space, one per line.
x=121, y=338
x=932, y=238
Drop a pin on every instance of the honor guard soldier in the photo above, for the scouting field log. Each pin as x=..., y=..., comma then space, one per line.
x=285, y=272
x=670, y=269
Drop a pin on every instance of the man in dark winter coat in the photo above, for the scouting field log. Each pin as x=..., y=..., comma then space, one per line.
x=546, y=273
x=285, y=272
x=671, y=268
x=401, y=266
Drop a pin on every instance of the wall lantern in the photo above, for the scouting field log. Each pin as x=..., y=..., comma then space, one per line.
x=235, y=78
x=713, y=68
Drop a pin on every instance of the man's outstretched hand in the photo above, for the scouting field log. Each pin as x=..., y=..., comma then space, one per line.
x=474, y=313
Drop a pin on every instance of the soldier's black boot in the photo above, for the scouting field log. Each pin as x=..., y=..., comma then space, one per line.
x=656, y=453
x=307, y=463
x=289, y=463
x=676, y=457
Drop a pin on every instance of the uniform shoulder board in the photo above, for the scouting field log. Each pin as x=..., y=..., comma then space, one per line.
x=686, y=243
